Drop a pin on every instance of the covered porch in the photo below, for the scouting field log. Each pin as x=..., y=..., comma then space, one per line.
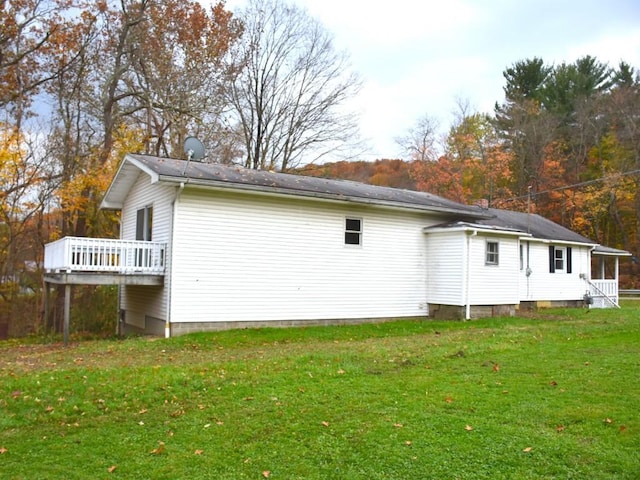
x=603, y=286
x=100, y=261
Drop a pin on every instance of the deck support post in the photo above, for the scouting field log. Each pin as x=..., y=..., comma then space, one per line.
x=47, y=303
x=67, y=313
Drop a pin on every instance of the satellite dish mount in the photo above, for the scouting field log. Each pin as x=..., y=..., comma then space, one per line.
x=194, y=150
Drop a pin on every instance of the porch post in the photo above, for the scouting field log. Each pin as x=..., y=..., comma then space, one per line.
x=602, y=269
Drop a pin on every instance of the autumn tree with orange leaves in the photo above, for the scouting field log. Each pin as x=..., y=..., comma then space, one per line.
x=474, y=166
x=82, y=83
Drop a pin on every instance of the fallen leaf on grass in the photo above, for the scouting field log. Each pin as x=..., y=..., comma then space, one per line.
x=448, y=400
x=112, y=468
x=408, y=443
x=608, y=421
x=559, y=428
x=159, y=450
x=527, y=450
x=325, y=424
x=496, y=367
x=266, y=474
x=198, y=452
x=468, y=428
x=398, y=425
x=3, y=450
x=622, y=428
x=553, y=383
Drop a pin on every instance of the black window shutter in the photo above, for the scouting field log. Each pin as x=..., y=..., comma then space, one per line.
x=568, y=259
x=552, y=259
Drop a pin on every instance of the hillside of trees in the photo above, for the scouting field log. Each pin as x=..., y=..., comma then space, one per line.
x=83, y=83
x=565, y=142
x=384, y=172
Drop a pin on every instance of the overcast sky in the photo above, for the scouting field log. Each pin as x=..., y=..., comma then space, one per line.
x=418, y=57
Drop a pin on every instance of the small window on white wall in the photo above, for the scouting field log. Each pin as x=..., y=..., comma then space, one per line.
x=353, y=231
x=144, y=223
x=492, y=256
x=521, y=257
x=560, y=259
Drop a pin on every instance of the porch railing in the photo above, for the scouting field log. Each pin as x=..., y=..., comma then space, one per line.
x=604, y=293
x=81, y=254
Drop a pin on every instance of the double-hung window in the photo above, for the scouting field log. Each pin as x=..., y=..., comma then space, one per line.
x=353, y=231
x=492, y=253
x=559, y=259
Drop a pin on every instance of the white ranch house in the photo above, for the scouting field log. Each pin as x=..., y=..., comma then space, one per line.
x=207, y=246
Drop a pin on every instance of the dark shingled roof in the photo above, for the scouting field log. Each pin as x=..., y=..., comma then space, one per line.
x=537, y=226
x=213, y=174
x=540, y=227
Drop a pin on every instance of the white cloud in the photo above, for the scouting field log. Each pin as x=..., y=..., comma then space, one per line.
x=381, y=24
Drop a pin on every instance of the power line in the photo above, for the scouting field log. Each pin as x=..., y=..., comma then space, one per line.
x=575, y=185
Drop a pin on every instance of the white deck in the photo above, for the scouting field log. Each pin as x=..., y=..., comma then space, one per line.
x=102, y=255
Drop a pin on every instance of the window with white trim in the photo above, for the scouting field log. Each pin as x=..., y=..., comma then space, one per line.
x=559, y=259
x=353, y=231
x=492, y=255
x=144, y=223
x=521, y=257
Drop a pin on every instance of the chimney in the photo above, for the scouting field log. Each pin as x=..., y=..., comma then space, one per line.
x=482, y=203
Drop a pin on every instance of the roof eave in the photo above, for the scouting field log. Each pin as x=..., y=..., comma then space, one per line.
x=476, y=228
x=114, y=197
x=265, y=189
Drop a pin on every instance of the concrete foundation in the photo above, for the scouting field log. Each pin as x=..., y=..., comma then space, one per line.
x=184, y=328
x=457, y=312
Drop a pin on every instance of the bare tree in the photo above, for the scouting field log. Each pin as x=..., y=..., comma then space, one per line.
x=288, y=97
x=179, y=71
x=421, y=142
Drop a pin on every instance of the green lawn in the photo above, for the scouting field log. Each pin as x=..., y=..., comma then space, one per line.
x=555, y=396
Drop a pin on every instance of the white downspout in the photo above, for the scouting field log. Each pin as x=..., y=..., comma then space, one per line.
x=167, y=325
x=468, y=276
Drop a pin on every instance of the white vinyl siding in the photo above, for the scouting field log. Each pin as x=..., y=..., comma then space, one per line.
x=139, y=301
x=446, y=267
x=458, y=273
x=244, y=257
x=542, y=285
x=493, y=284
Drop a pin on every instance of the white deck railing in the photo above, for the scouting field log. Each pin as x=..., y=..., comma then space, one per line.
x=604, y=293
x=81, y=254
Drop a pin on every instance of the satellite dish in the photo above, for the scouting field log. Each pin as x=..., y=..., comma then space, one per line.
x=193, y=149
